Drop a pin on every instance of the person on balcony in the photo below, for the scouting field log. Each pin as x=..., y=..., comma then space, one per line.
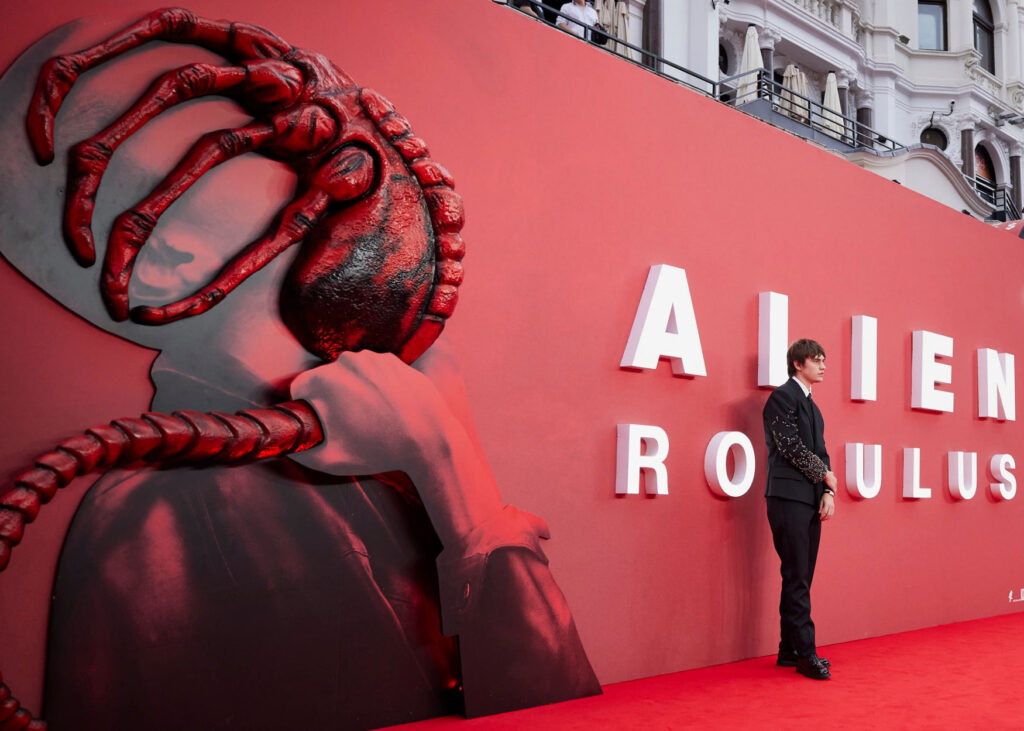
x=582, y=13
x=529, y=7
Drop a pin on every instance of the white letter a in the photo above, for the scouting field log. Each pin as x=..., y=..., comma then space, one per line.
x=665, y=325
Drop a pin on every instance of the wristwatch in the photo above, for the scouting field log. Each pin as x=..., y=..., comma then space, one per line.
x=830, y=491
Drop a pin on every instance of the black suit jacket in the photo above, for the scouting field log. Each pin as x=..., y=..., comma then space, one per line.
x=795, y=434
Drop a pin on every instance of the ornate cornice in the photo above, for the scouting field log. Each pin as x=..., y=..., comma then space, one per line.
x=768, y=37
x=845, y=77
x=1015, y=89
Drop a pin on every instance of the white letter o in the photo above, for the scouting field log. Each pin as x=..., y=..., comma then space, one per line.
x=716, y=458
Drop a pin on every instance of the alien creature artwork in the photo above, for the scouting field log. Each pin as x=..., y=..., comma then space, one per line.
x=304, y=530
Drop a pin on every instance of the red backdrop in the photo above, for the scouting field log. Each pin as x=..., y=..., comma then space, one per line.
x=579, y=172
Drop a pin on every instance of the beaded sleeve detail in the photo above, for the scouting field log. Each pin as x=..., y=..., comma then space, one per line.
x=784, y=433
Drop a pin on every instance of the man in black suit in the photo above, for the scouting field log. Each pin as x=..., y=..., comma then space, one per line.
x=800, y=494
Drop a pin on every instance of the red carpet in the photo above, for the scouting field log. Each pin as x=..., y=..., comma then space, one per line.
x=968, y=675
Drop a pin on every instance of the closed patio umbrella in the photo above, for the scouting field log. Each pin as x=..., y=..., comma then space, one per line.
x=746, y=89
x=801, y=88
x=801, y=107
x=621, y=29
x=789, y=81
x=605, y=13
x=832, y=123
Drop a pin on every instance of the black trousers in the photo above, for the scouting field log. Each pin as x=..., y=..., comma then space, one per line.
x=796, y=532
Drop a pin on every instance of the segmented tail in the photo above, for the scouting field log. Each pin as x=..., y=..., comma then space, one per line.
x=181, y=438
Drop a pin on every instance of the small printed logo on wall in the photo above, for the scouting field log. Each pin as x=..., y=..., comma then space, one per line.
x=1014, y=600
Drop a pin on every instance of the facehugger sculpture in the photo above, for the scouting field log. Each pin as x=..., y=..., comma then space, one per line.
x=378, y=223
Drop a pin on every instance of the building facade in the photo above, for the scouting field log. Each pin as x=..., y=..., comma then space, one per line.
x=943, y=78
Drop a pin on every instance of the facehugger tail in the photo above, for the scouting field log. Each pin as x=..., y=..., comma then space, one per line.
x=184, y=437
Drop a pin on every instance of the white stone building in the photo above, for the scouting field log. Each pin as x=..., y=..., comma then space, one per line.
x=949, y=73
x=933, y=90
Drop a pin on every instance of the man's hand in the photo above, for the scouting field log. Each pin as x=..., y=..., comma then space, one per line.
x=381, y=415
x=378, y=413
x=828, y=503
x=828, y=507
x=831, y=481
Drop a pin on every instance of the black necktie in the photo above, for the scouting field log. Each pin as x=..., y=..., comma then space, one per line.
x=814, y=420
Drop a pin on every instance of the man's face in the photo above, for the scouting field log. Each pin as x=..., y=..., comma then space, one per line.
x=812, y=370
x=227, y=208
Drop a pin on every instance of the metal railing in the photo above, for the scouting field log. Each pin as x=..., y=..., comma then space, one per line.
x=760, y=81
x=998, y=195
x=985, y=188
x=650, y=61
x=760, y=85
x=1002, y=199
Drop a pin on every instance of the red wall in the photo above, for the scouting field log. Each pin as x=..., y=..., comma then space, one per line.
x=578, y=173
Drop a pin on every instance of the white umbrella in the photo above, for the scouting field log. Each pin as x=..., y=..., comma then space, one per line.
x=832, y=123
x=621, y=29
x=803, y=90
x=605, y=13
x=746, y=90
x=794, y=102
x=789, y=81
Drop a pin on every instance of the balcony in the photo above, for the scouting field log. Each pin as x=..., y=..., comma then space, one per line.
x=998, y=195
x=758, y=94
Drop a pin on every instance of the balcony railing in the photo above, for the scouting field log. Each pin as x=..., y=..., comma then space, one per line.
x=1002, y=199
x=999, y=196
x=733, y=91
x=985, y=188
x=757, y=93
x=650, y=61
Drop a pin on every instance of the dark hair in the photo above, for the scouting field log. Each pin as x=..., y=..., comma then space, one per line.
x=800, y=351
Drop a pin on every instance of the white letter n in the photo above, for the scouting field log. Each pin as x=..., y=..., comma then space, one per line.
x=996, y=397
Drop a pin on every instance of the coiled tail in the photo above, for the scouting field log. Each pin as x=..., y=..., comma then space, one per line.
x=185, y=437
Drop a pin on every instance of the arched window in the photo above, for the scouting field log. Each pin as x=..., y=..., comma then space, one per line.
x=984, y=174
x=931, y=25
x=984, y=35
x=723, y=59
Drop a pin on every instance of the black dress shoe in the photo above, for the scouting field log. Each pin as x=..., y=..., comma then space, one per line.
x=787, y=659
x=812, y=667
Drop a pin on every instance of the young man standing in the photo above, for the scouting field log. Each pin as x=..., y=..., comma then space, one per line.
x=800, y=494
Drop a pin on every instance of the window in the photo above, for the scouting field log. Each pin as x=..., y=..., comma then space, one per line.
x=984, y=36
x=984, y=174
x=931, y=25
x=723, y=59
x=983, y=167
x=934, y=136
